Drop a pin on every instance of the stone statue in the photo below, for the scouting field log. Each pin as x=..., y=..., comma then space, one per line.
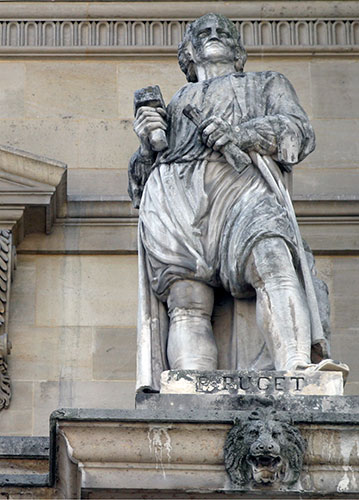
x=216, y=225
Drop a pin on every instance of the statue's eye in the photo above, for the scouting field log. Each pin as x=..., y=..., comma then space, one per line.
x=275, y=434
x=223, y=34
x=253, y=433
x=203, y=34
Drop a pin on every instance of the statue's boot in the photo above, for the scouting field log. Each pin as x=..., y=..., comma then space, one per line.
x=191, y=344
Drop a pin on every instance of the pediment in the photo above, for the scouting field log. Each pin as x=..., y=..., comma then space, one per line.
x=10, y=183
x=30, y=184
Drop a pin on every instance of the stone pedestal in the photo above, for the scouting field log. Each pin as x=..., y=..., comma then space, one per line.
x=244, y=383
x=179, y=452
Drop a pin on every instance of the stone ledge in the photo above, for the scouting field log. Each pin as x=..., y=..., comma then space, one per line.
x=318, y=409
x=166, y=51
x=181, y=450
x=24, y=447
x=114, y=231
x=24, y=480
x=155, y=8
x=93, y=206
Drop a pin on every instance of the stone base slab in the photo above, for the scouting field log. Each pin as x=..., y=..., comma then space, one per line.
x=264, y=383
x=170, y=453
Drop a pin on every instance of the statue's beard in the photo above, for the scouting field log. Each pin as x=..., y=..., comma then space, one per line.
x=266, y=469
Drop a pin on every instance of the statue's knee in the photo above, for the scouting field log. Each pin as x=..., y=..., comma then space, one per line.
x=189, y=294
x=270, y=261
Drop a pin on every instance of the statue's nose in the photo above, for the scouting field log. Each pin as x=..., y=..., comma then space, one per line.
x=214, y=34
x=260, y=447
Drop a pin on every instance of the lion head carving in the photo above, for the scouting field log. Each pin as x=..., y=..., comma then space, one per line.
x=264, y=449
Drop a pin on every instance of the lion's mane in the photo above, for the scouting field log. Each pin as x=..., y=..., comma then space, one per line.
x=244, y=433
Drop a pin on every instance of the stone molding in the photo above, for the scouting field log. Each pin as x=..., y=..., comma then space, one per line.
x=116, y=234
x=148, y=36
x=32, y=192
x=186, y=9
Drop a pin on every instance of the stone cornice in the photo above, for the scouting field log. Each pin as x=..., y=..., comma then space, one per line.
x=32, y=192
x=186, y=9
x=331, y=227
x=103, y=29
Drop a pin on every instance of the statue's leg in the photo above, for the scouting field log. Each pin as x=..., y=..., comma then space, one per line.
x=282, y=310
x=191, y=344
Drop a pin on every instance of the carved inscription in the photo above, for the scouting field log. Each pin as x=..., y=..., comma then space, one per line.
x=252, y=383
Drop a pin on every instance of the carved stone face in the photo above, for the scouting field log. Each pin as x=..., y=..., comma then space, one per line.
x=212, y=41
x=264, y=454
x=263, y=450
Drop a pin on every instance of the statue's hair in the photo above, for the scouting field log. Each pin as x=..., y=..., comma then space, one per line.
x=184, y=55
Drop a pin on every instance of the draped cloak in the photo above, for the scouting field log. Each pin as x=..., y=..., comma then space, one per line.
x=199, y=218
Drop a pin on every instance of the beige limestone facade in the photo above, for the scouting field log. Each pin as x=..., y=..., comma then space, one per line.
x=68, y=73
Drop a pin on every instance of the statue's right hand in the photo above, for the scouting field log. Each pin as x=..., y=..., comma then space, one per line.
x=146, y=121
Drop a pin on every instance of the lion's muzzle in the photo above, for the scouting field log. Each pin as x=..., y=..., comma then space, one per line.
x=264, y=459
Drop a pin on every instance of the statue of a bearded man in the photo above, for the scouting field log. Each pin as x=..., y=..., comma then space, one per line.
x=212, y=225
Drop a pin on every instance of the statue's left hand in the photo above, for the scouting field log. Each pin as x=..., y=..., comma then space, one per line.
x=216, y=133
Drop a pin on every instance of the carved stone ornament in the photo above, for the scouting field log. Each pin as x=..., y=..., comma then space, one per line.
x=264, y=449
x=7, y=265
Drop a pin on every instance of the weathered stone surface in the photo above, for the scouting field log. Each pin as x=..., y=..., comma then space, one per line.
x=109, y=236
x=71, y=90
x=329, y=132
x=105, y=143
x=339, y=85
x=97, y=184
x=17, y=420
x=334, y=183
x=54, y=138
x=47, y=353
x=345, y=293
x=34, y=492
x=93, y=292
x=245, y=382
x=342, y=347
x=114, y=353
x=79, y=394
x=12, y=89
x=184, y=451
x=29, y=447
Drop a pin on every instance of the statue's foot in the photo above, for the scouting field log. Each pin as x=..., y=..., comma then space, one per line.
x=327, y=365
